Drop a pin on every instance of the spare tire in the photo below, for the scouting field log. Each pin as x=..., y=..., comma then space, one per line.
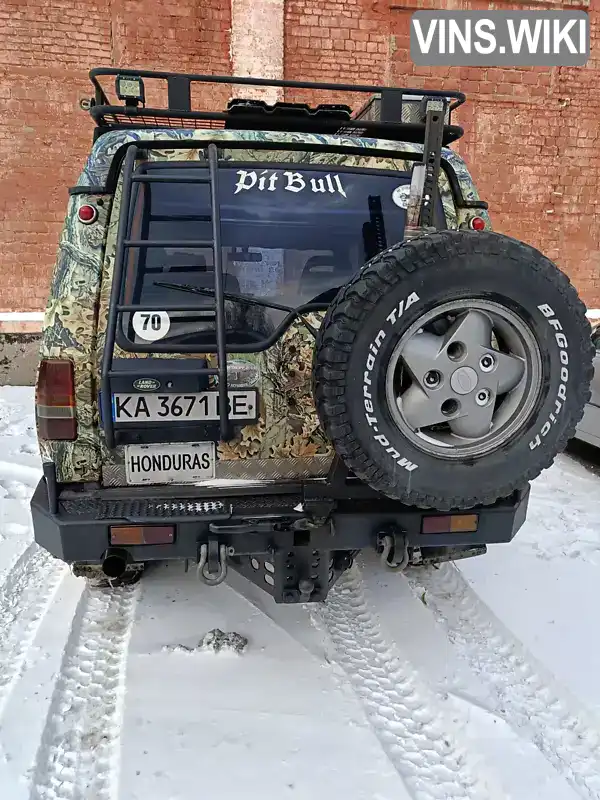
x=453, y=369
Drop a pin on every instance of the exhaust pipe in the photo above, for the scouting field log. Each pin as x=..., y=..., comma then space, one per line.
x=114, y=562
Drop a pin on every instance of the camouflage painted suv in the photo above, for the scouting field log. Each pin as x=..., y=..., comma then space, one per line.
x=279, y=334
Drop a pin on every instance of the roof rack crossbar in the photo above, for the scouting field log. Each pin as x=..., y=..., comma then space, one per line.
x=189, y=78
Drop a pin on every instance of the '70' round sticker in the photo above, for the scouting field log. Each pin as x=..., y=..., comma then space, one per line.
x=151, y=325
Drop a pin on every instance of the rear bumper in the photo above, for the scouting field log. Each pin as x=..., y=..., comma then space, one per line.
x=74, y=526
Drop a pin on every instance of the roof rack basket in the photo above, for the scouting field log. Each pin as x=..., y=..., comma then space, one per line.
x=393, y=113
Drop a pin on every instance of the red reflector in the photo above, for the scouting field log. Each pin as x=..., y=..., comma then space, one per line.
x=464, y=523
x=142, y=534
x=87, y=214
x=55, y=400
x=453, y=523
x=57, y=429
x=477, y=224
x=435, y=525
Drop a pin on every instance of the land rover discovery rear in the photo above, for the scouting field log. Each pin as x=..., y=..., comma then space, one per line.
x=280, y=334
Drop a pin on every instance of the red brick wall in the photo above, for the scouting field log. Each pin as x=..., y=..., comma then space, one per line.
x=531, y=135
x=46, y=51
x=347, y=41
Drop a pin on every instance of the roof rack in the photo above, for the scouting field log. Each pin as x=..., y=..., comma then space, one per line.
x=393, y=113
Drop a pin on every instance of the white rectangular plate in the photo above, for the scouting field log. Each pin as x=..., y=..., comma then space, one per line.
x=192, y=407
x=169, y=463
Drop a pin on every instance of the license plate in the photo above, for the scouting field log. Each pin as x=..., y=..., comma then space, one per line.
x=193, y=407
x=169, y=463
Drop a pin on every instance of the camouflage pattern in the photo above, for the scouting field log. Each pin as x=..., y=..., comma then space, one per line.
x=75, y=322
x=69, y=331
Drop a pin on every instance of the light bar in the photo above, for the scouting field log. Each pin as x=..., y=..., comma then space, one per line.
x=130, y=89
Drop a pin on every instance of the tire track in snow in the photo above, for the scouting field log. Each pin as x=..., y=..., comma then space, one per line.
x=78, y=754
x=404, y=712
x=25, y=596
x=20, y=472
x=528, y=697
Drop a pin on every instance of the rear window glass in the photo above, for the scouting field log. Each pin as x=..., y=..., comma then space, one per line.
x=291, y=234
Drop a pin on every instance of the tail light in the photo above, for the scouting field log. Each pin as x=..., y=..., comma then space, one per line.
x=55, y=400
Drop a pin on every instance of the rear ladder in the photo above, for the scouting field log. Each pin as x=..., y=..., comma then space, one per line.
x=117, y=307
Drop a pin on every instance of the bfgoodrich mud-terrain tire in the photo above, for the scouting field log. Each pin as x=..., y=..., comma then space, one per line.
x=453, y=369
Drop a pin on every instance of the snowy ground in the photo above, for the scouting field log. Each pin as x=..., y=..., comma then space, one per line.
x=478, y=682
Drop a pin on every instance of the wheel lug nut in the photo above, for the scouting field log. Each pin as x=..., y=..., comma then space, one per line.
x=482, y=397
x=432, y=379
x=487, y=363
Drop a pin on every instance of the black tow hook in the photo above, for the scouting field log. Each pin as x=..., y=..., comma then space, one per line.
x=114, y=562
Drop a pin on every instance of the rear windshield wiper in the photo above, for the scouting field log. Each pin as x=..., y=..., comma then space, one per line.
x=292, y=313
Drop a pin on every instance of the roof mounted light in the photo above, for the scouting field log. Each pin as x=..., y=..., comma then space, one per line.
x=130, y=88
